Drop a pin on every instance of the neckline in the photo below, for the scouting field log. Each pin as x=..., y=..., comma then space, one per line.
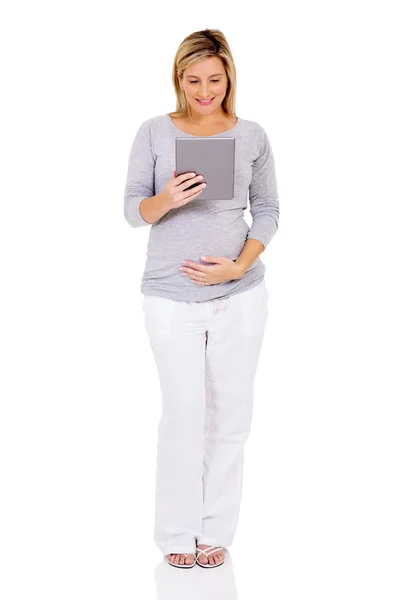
x=239, y=121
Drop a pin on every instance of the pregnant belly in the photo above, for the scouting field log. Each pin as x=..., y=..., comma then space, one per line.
x=169, y=242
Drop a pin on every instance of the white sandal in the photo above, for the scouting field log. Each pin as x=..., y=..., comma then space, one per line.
x=184, y=566
x=206, y=553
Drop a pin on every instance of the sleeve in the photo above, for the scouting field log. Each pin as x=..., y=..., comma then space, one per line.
x=140, y=177
x=263, y=195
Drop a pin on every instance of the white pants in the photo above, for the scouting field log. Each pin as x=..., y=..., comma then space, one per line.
x=206, y=355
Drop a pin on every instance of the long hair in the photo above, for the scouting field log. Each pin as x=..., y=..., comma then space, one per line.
x=197, y=47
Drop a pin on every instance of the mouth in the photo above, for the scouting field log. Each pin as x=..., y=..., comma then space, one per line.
x=205, y=103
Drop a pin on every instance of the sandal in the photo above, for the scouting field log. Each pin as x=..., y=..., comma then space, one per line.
x=206, y=552
x=184, y=566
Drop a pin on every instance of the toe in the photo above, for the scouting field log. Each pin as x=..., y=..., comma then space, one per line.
x=202, y=559
x=213, y=559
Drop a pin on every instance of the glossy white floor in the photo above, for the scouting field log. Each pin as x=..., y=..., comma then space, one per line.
x=319, y=516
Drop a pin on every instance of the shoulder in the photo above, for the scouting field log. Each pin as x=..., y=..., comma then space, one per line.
x=250, y=126
x=256, y=137
x=153, y=123
x=255, y=131
x=154, y=129
x=149, y=131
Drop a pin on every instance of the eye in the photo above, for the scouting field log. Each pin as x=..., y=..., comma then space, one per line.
x=212, y=81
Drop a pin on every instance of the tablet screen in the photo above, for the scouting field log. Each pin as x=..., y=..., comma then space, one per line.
x=214, y=158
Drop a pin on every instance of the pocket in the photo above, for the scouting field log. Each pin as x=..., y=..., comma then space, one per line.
x=158, y=314
x=254, y=303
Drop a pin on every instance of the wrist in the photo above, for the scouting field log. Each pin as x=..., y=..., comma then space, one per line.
x=163, y=201
x=241, y=270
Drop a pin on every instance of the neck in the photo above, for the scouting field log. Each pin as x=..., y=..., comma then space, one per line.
x=206, y=120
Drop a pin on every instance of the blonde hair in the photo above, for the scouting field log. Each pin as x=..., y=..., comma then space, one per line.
x=193, y=49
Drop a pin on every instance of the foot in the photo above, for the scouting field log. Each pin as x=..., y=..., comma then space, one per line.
x=213, y=559
x=180, y=559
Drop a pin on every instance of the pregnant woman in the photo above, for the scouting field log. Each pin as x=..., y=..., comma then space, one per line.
x=205, y=300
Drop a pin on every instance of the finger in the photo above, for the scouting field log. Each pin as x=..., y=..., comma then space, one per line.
x=192, y=195
x=181, y=178
x=198, y=185
x=193, y=271
x=199, y=275
x=189, y=264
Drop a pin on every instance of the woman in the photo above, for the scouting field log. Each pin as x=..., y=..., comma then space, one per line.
x=205, y=300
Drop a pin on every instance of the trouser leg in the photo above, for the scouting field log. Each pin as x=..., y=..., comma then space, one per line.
x=177, y=336
x=235, y=337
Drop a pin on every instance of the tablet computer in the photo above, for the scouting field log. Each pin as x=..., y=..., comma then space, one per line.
x=214, y=158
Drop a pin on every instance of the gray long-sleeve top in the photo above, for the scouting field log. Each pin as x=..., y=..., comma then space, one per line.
x=201, y=228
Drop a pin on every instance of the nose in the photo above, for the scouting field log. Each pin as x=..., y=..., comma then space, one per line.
x=204, y=93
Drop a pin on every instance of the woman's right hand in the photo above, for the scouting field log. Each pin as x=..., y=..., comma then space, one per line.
x=175, y=190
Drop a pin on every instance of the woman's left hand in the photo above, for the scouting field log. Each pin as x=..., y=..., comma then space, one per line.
x=225, y=269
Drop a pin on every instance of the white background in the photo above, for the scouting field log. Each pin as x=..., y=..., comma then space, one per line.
x=80, y=399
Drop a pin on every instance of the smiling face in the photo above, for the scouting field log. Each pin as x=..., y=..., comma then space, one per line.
x=203, y=81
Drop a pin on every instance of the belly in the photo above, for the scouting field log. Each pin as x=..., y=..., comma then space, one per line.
x=178, y=239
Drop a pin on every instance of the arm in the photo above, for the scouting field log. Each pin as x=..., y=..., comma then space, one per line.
x=153, y=208
x=264, y=205
x=251, y=249
x=141, y=205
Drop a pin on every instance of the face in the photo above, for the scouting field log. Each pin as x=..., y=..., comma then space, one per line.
x=207, y=79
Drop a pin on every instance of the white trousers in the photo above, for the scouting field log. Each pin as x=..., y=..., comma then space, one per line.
x=206, y=355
